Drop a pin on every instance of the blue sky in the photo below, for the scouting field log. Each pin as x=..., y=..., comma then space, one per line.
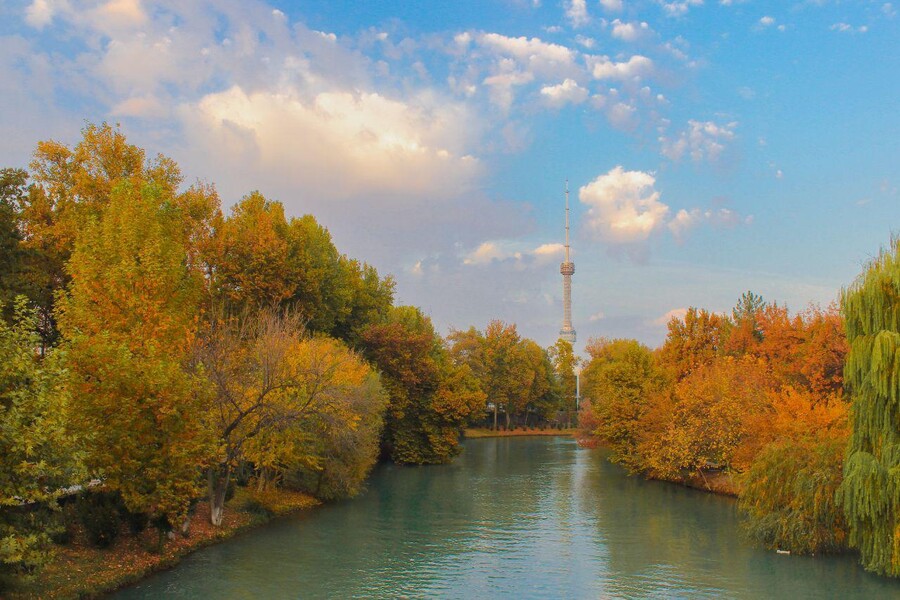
x=711, y=146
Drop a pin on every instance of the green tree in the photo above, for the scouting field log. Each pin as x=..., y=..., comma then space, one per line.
x=40, y=456
x=12, y=255
x=870, y=492
x=564, y=364
x=129, y=321
x=618, y=382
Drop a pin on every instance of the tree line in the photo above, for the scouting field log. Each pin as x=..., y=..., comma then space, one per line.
x=798, y=411
x=156, y=349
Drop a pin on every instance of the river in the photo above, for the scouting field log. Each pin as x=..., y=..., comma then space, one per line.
x=533, y=517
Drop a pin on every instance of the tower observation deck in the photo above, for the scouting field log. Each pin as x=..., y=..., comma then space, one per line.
x=567, y=269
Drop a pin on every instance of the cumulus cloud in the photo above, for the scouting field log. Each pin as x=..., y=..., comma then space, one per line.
x=766, y=21
x=564, y=93
x=678, y=8
x=629, y=32
x=344, y=143
x=576, y=12
x=612, y=5
x=516, y=253
x=633, y=69
x=624, y=206
x=702, y=140
x=39, y=13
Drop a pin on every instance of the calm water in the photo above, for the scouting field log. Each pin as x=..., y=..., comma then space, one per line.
x=521, y=517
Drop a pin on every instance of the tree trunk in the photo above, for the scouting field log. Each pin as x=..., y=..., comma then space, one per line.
x=218, y=487
x=495, y=415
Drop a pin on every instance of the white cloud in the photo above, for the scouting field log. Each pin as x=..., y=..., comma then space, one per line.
x=634, y=68
x=685, y=220
x=612, y=5
x=767, y=21
x=514, y=252
x=675, y=313
x=629, y=32
x=587, y=42
x=576, y=12
x=847, y=28
x=346, y=143
x=140, y=106
x=888, y=9
x=702, y=140
x=39, y=13
x=539, y=57
x=678, y=8
x=624, y=206
x=566, y=92
x=501, y=86
x=598, y=316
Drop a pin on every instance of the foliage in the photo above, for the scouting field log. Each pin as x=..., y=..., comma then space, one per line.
x=129, y=323
x=618, y=382
x=429, y=400
x=40, y=456
x=789, y=496
x=870, y=492
x=12, y=255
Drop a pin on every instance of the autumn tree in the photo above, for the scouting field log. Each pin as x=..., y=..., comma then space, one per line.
x=430, y=398
x=618, y=382
x=40, y=455
x=71, y=187
x=129, y=321
x=564, y=363
x=692, y=341
x=869, y=492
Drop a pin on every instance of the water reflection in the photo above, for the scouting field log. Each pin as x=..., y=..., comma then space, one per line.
x=522, y=517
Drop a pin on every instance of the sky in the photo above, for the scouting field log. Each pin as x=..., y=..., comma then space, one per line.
x=710, y=146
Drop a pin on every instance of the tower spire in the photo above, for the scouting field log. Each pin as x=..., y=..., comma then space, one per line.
x=567, y=269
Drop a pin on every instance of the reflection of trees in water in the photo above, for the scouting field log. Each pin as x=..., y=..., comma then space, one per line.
x=661, y=538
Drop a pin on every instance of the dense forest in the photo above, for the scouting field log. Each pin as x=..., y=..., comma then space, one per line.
x=797, y=414
x=156, y=352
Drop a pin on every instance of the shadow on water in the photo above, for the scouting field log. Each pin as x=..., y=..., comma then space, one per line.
x=521, y=517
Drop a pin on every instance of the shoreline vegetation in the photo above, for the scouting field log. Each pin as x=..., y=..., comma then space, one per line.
x=81, y=570
x=160, y=353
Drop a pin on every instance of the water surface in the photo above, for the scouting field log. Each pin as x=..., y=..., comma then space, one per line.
x=512, y=517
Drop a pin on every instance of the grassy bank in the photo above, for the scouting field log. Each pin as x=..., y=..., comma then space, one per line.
x=486, y=433
x=80, y=570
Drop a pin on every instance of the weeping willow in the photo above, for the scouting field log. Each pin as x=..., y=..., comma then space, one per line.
x=870, y=492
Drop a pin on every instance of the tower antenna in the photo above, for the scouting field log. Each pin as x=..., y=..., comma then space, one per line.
x=567, y=269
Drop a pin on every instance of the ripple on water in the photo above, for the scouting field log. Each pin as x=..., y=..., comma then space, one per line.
x=512, y=518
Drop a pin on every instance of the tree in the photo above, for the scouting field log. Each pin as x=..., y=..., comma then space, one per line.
x=71, y=188
x=430, y=399
x=128, y=319
x=618, y=382
x=693, y=341
x=869, y=493
x=12, y=255
x=564, y=364
x=40, y=456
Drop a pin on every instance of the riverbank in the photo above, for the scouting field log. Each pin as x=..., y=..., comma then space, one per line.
x=475, y=433
x=80, y=570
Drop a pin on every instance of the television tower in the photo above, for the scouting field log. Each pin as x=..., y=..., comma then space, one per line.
x=567, y=269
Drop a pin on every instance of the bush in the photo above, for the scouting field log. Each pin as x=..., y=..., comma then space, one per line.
x=99, y=514
x=137, y=521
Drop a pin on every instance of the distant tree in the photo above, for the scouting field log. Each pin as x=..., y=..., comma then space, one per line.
x=869, y=493
x=430, y=399
x=564, y=364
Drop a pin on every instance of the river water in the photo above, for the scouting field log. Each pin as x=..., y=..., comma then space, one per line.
x=533, y=517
